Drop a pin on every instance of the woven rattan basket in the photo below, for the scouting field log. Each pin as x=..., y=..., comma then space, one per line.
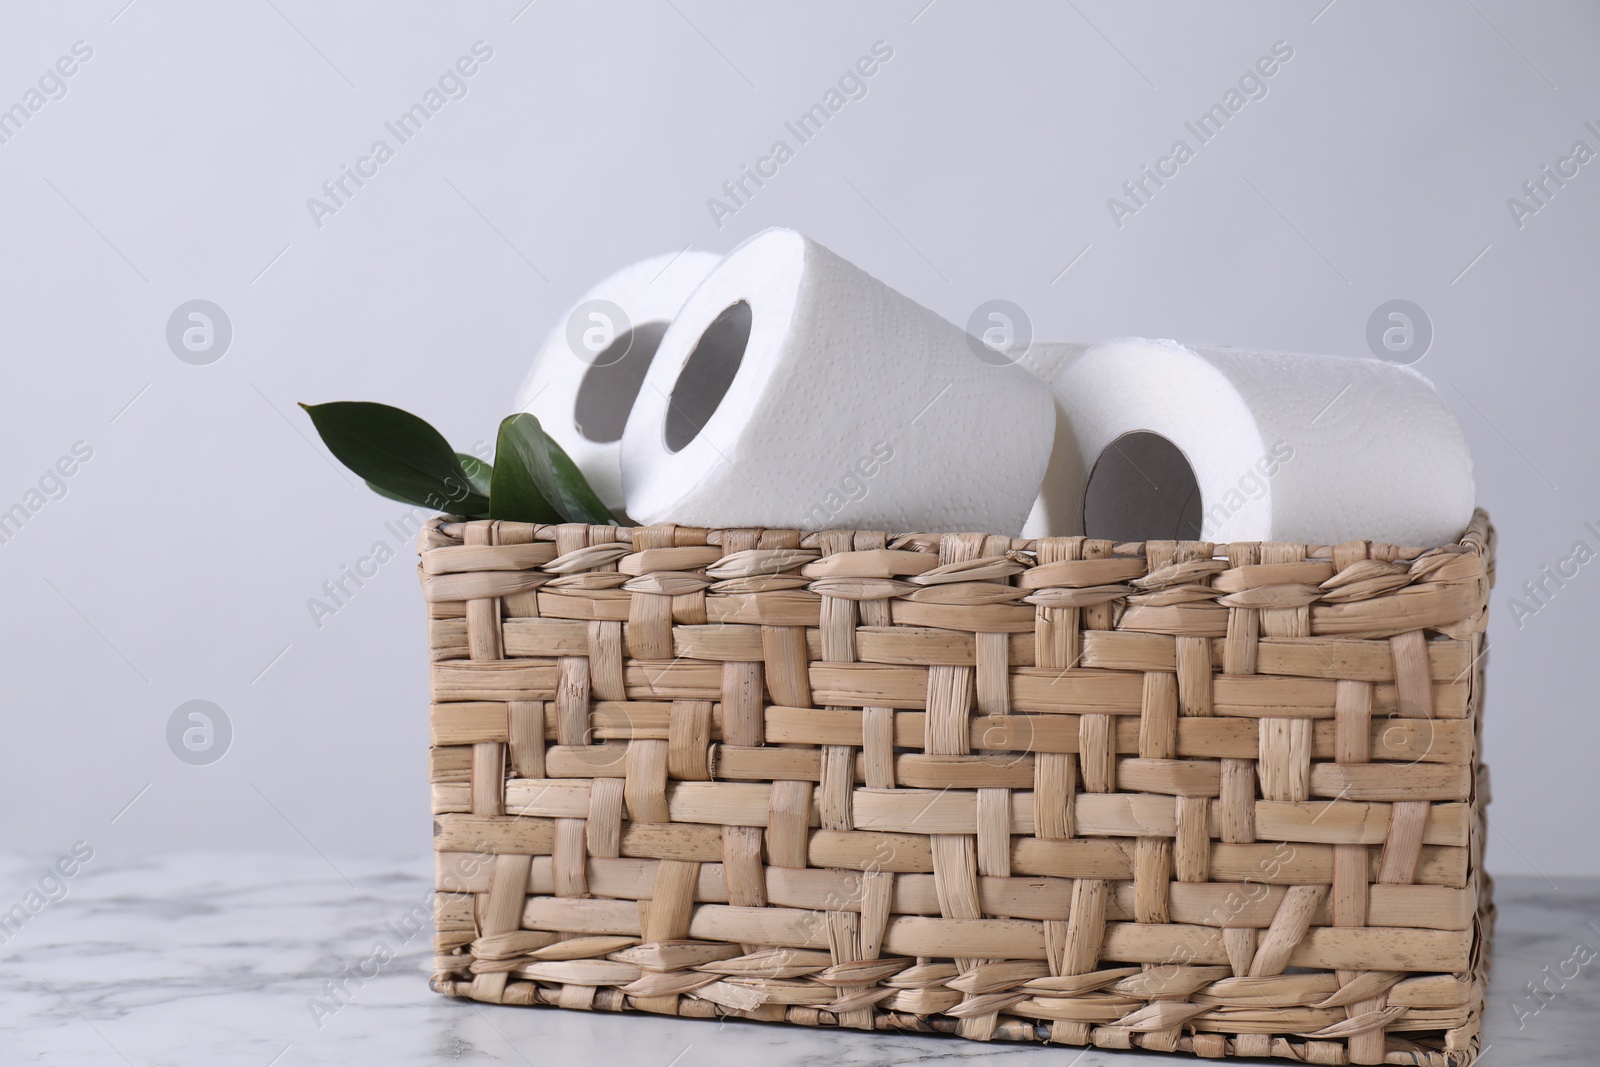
x=1217, y=799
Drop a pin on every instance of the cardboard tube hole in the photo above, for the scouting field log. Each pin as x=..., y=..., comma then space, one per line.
x=611, y=384
x=1142, y=489
x=707, y=374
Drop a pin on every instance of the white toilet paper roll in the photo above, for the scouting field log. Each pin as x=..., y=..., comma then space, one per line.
x=588, y=371
x=805, y=393
x=1166, y=441
x=1046, y=361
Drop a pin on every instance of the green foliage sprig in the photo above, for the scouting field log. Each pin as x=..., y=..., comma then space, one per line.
x=402, y=457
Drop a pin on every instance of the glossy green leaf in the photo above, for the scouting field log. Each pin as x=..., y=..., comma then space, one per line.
x=479, y=473
x=399, y=455
x=381, y=491
x=534, y=476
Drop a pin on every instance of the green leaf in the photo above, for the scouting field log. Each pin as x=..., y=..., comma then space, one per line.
x=398, y=454
x=479, y=473
x=513, y=492
x=533, y=476
x=391, y=496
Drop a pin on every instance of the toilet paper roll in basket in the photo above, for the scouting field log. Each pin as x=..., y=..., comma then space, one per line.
x=805, y=393
x=1161, y=440
x=1047, y=359
x=587, y=373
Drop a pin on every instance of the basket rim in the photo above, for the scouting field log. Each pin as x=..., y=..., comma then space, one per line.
x=1479, y=537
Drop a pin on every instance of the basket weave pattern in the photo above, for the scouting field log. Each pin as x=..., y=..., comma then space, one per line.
x=1218, y=799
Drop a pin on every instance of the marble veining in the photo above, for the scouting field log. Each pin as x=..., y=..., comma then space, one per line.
x=224, y=960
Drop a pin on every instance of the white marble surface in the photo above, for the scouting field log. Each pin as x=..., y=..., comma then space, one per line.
x=213, y=960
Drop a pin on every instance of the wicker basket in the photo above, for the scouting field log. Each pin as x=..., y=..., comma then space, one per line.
x=1217, y=799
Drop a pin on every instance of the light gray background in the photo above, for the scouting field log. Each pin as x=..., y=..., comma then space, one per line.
x=178, y=166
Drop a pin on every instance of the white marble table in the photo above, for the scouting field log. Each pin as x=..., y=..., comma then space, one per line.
x=215, y=961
